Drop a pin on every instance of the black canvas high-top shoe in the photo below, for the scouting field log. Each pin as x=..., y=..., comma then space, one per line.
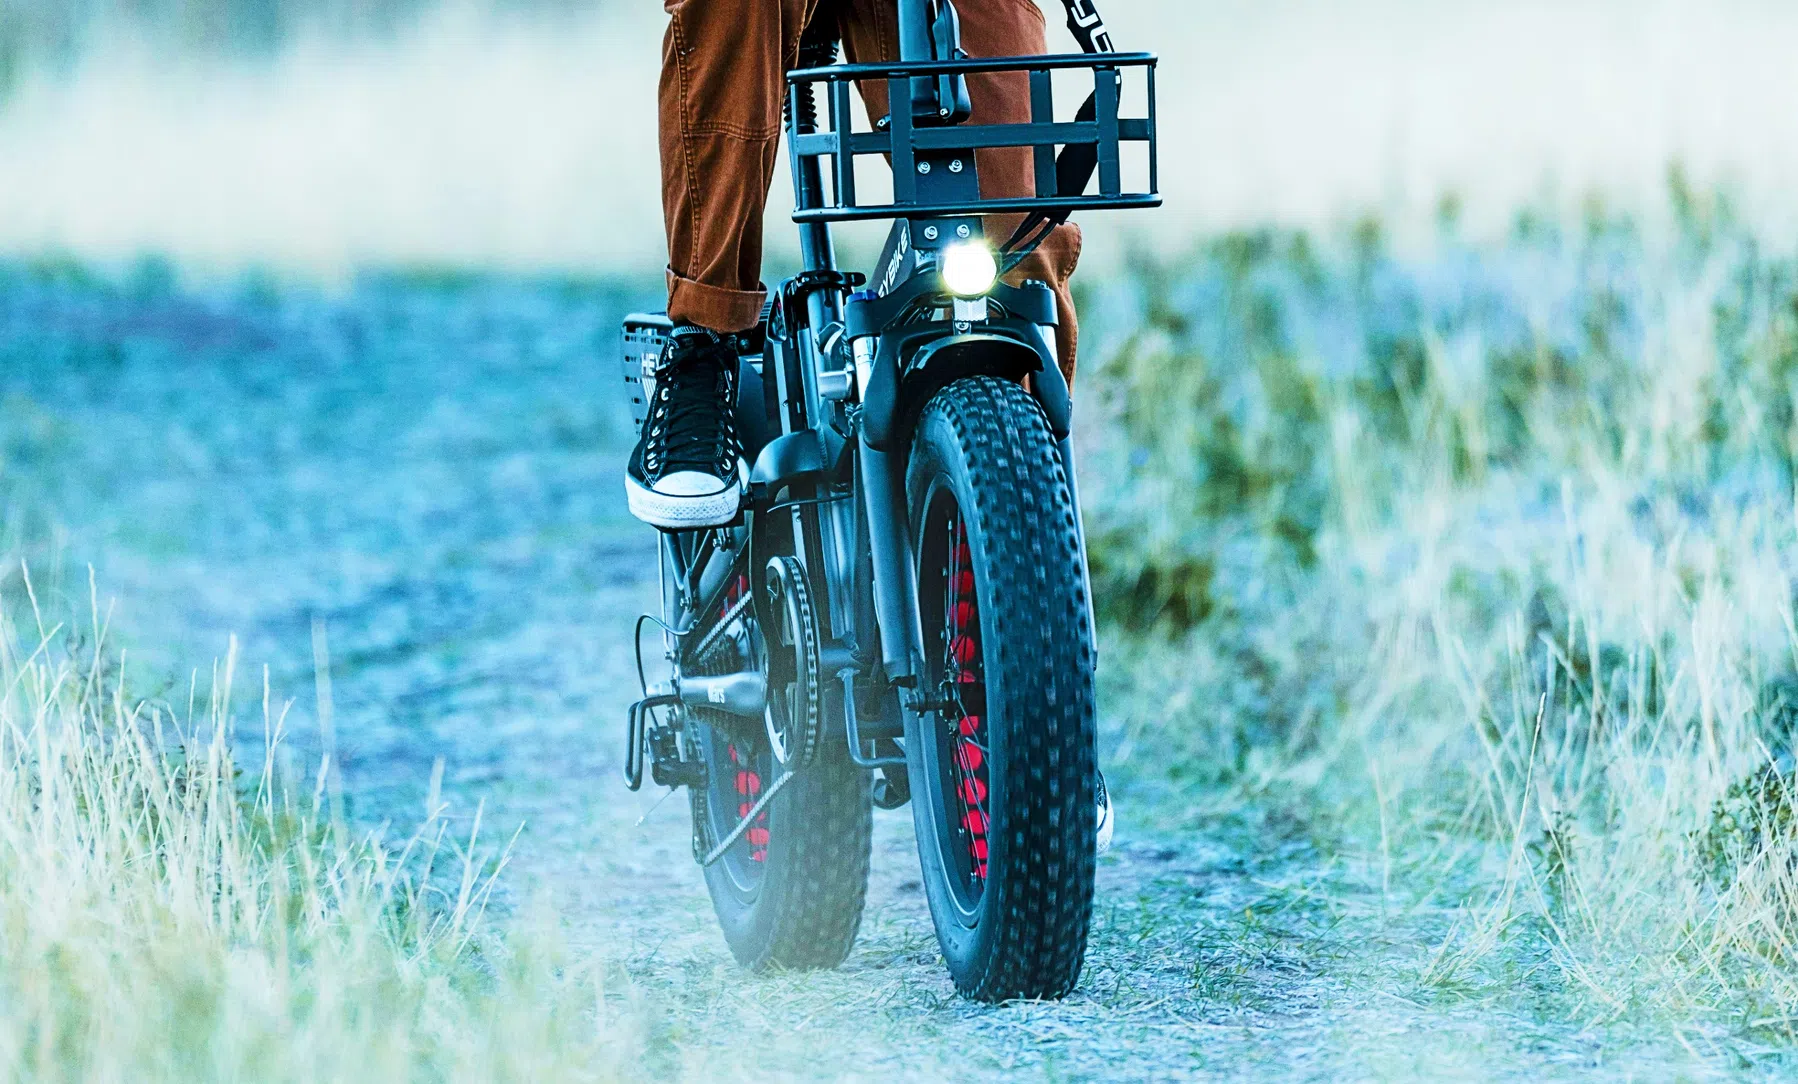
x=688, y=470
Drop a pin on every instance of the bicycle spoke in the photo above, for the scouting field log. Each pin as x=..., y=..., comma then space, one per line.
x=962, y=682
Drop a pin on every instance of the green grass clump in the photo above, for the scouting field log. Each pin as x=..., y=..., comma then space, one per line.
x=165, y=917
x=1480, y=558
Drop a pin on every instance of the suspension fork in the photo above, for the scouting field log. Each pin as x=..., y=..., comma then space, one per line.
x=880, y=478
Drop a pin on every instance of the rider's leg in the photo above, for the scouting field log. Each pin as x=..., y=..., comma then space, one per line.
x=988, y=28
x=723, y=67
x=723, y=70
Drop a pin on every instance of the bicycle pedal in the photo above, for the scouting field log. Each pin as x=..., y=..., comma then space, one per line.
x=673, y=772
x=638, y=738
x=666, y=766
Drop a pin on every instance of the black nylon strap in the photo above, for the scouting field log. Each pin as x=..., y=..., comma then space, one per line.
x=1075, y=164
x=1087, y=27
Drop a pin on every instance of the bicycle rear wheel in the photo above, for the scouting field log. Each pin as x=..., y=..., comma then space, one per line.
x=789, y=891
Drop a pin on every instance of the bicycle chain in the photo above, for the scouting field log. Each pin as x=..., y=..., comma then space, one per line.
x=700, y=654
x=704, y=851
x=696, y=795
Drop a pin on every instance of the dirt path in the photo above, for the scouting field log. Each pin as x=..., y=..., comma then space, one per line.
x=429, y=473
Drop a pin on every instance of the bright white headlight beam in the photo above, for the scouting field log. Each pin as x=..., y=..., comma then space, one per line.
x=968, y=268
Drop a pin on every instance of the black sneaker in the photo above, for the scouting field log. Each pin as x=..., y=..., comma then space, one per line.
x=688, y=468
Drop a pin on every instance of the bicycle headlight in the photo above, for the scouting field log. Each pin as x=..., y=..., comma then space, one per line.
x=968, y=268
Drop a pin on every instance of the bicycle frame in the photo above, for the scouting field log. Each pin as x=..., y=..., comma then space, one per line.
x=795, y=634
x=848, y=369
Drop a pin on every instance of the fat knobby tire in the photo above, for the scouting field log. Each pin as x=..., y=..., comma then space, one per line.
x=988, y=443
x=806, y=907
x=799, y=906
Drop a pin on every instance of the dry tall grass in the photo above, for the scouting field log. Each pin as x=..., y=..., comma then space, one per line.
x=1484, y=562
x=163, y=919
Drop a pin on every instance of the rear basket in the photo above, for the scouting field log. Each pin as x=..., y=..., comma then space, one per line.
x=644, y=334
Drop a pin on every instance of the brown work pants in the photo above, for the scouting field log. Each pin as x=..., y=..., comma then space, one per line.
x=724, y=65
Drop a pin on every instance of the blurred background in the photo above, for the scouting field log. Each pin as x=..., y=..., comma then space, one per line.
x=319, y=135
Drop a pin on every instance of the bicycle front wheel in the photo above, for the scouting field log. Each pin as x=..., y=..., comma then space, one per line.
x=1003, y=794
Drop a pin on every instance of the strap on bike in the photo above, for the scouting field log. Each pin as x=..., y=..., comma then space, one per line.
x=1075, y=164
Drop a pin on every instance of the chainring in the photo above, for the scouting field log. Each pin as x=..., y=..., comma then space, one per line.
x=794, y=715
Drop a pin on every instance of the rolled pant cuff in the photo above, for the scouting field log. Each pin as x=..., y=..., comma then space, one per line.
x=713, y=307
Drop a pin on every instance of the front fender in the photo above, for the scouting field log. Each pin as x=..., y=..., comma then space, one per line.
x=900, y=384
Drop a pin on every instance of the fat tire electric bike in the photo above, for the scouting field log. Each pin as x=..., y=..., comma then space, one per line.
x=902, y=612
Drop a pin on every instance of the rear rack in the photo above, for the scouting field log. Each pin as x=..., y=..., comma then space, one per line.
x=916, y=148
x=645, y=333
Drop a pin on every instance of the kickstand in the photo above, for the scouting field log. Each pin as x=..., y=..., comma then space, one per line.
x=665, y=796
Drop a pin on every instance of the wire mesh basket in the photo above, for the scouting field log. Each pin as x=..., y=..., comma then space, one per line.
x=644, y=335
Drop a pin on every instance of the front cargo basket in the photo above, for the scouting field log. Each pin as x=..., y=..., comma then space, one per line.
x=916, y=149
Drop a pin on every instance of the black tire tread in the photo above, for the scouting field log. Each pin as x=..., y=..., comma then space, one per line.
x=1038, y=650
x=822, y=829
x=828, y=824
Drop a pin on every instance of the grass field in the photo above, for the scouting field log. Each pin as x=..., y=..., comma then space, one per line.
x=1480, y=567
x=1466, y=574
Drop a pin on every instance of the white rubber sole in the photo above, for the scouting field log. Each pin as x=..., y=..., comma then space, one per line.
x=682, y=513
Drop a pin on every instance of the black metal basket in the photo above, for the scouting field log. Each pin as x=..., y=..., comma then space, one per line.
x=916, y=150
x=644, y=335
